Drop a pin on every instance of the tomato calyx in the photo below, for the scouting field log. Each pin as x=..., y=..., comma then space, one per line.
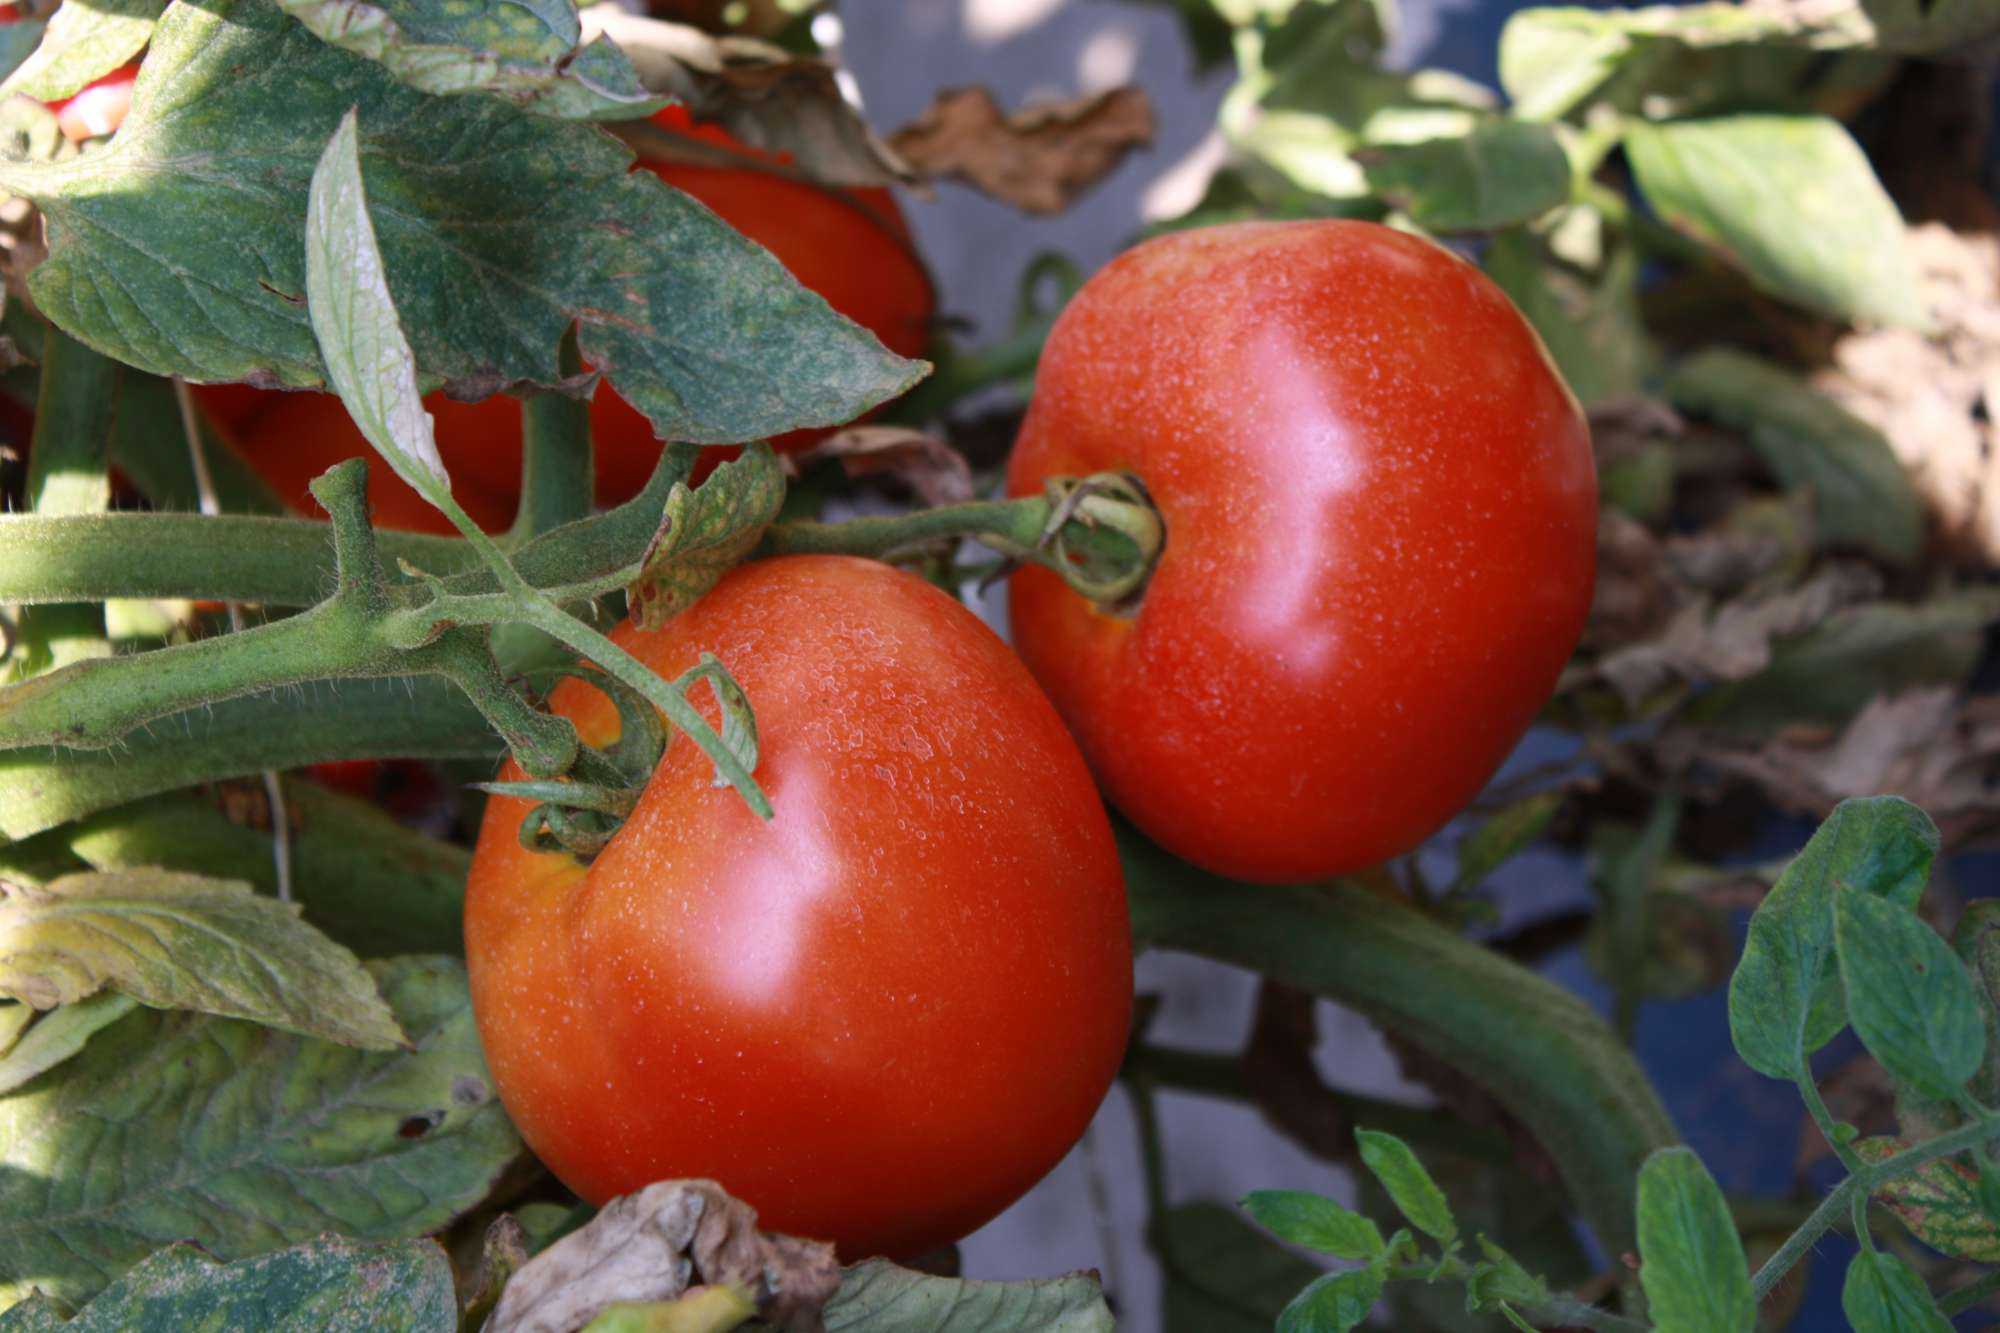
x=580, y=813
x=1104, y=536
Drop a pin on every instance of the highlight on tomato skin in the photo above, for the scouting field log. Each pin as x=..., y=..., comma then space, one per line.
x=98, y=108
x=1380, y=505
x=879, y=1018
x=850, y=246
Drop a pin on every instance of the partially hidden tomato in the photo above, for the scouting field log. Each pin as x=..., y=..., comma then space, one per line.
x=99, y=107
x=879, y=1017
x=850, y=246
x=1380, y=509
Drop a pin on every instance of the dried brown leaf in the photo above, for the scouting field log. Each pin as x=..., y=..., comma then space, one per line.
x=936, y=472
x=1937, y=399
x=656, y=1244
x=1932, y=746
x=1038, y=159
x=766, y=97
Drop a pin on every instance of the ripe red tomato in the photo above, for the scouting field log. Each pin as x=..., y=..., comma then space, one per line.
x=1380, y=508
x=99, y=107
x=850, y=246
x=880, y=1017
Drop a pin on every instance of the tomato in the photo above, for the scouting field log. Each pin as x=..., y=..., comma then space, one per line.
x=851, y=246
x=99, y=107
x=879, y=1017
x=1380, y=509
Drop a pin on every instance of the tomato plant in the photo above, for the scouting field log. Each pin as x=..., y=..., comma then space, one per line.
x=851, y=246
x=1381, y=516
x=98, y=108
x=878, y=1018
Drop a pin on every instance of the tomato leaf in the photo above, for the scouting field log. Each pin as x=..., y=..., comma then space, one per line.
x=1501, y=173
x=368, y=361
x=1334, y=1303
x=1790, y=199
x=1412, y=1188
x=188, y=1127
x=84, y=42
x=1315, y=1222
x=14, y=1019
x=1693, y=1268
x=1592, y=329
x=58, y=1035
x=499, y=231
x=1223, y=1275
x=652, y=1246
x=878, y=1297
x=1785, y=1000
x=331, y=1284
x=18, y=42
x=1910, y=1000
x=1939, y=1202
x=1861, y=494
x=1501, y=1281
x=705, y=533
x=179, y=941
x=532, y=54
x=739, y=723
x=1882, y=1295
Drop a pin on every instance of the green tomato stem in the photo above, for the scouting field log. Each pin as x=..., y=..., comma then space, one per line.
x=1548, y=1058
x=69, y=473
x=556, y=464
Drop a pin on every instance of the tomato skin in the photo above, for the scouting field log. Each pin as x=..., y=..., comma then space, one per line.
x=99, y=107
x=880, y=1017
x=1380, y=506
x=852, y=247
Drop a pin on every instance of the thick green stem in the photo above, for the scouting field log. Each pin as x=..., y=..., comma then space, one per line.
x=230, y=558
x=556, y=470
x=69, y=473
x=1016, y=522
x=1542, y=1052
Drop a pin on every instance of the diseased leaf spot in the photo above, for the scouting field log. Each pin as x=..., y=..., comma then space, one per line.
x=469, y=1091
x=416, y=1126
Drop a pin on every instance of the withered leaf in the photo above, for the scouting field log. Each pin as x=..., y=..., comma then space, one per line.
x=656, y=1244
x=1038, y=159
x=765, y=96
x=936, y=472
x=705, y=532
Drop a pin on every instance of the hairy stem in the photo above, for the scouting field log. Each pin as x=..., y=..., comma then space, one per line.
x=556, y=469
x=69, y=473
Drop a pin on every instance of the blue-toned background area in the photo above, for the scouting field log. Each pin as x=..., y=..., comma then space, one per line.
x=1090, y=1212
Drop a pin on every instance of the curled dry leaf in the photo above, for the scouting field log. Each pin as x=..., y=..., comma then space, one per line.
x=657, y=1244
x=1937, y=398
x=765, y=96
x=1934, y=746
x=936, y=472
x=1040, y=158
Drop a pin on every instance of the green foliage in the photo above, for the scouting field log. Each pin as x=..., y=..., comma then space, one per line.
x=1908, y=996
x=1412, y=1188
x=700, y=329
x=1691, y=1262
x=1882, y=1295
x=878, y=1297
x=1940, y=1202
x=179, y=941
x=706, y=532
x=58, y=1035
x=1785, y=1000
x=1334, y=1303
x=178, y=1126
x=1503, y=836
x=1500, y=173
x=85, y=40
x=330, y=1284
x=1316, y=1223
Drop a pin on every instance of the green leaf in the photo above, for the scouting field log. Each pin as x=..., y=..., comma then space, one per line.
x=705, y=533
x=14, y=1019
x=530, y=53
x=86, y=40
x=739, y=723
x=1793, y=201
x=178, y=941
x=331, y=1284
x=177, y=1126
x=499, y=230
x=58, y=1035
x=1503, y=836
x=1591, y=328
x=1696, y=1277
x=1220, y=1274
x=1910, y=1000
x=1316, y=1222
x=1502, y=1281
x=18, y=42
x=368, y=361
x=1861, y=495
x=1939, y=1202
x=1785, y=1000
x=1882, y=1295
x=1415, y=1193
x=1503, y=172
x=878, y=1297
x=1334, y=1303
